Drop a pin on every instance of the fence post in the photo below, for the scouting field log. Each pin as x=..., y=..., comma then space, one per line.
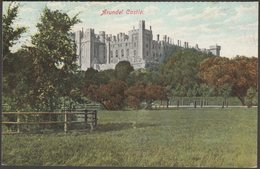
x=18, y=123
x=178, y=103
x=223, y=103
x=86, y=118
x=95, y=118
x=227, y=104
x=195, y=104
x=65, y=122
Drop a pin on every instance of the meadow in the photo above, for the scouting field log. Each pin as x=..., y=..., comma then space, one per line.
x=178, y=137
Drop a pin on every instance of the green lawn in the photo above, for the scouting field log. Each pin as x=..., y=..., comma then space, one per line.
x=209, y=137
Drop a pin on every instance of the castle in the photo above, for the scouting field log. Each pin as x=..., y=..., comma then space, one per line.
x=102, y=51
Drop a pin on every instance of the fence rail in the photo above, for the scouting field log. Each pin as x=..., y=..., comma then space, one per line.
x=89, y=116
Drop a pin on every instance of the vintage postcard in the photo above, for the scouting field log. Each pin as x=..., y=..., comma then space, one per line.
x=129, y=84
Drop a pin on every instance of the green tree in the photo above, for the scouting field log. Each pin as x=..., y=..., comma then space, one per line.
x=179, y=91
x=106, y=75
x=10, y=34
x=182, y=67
x=123, y=69
x=13, y=63
x=54, y=58
x=205, y=91
x=91, y=77
x=251, y=94
x=224, y=91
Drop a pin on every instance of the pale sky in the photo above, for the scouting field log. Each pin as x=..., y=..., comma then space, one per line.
x=232, y=25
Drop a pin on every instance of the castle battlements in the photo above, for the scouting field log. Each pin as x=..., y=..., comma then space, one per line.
x=103, y=51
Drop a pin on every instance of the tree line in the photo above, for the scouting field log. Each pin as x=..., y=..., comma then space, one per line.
x=44, y=76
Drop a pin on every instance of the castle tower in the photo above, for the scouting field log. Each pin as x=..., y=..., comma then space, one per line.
x=78, y=36
x=215, y=50
x=141, y=39
x=87, y=53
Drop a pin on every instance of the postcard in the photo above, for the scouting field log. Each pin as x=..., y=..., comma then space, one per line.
x=129, y=84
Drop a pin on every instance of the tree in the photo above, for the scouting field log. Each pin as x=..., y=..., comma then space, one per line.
x=10, y=34
x=135, y=95
x=106, y=75
x=224, y=91
x=111, y=96
x=123, y=69
x=54, y=58
x=91, y=77
x=250, y=95
x=179, y=91
x=13, y=63
x=205, y=91
x=154, y=92
x=239, y=72
x=182, y=68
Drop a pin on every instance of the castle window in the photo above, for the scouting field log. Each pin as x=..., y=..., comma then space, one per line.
x=134, y=52
x=126, y=44
x=147, y=53
x=153, y=54
x=127, y=52
x=122, y=52
x=134, y=44
x=153, y=46
x=116, y=53
x=146, y=45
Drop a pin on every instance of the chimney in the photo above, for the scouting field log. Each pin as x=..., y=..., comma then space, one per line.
x=168, y=40
x=142, y=24
x=165, y=38
x=158, y=37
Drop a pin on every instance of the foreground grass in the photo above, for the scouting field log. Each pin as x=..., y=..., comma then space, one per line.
x=177, y=137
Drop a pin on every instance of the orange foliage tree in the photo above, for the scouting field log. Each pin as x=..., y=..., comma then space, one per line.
x=111, y=95
x=240, y=73
x=148, y=93
x=135, y=95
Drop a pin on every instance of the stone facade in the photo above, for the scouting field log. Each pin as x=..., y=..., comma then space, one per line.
x=102, y=51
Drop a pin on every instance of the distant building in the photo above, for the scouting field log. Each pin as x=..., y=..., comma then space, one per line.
x=102, y=51
x=215, y=50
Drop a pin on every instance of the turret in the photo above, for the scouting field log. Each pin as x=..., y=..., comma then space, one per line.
x=102, y=36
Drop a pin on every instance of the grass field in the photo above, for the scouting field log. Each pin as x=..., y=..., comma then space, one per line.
x=209, y=137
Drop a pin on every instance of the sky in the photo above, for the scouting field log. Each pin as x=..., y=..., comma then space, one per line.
x=232, y=25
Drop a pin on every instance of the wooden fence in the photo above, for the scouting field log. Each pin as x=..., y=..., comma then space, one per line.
x=89, y=119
